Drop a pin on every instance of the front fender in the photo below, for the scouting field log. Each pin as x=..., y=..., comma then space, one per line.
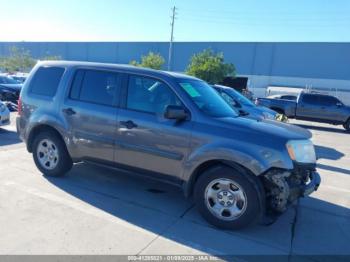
x=256, y=159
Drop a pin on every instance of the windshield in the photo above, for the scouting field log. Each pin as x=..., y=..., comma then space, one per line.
x=7, y=80
x=238, y=96
x=207, y=99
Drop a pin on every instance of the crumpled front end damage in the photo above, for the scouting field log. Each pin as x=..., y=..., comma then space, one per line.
x=283, y=187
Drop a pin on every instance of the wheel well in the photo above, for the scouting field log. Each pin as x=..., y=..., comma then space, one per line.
x=37, y=130
x=255, y=180
x=278, y=110
x=204, y=166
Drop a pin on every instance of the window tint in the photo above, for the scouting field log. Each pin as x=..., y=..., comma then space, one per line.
x=46, y=81
x=328, y=100
x=149, y=95
x=98, y=87
x=311, y=99
x=75, y=90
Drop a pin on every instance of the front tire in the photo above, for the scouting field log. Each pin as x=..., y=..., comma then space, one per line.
x=227, y=198
x=50, y=154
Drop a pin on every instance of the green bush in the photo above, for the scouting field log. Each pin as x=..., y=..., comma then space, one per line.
x=152, y=60
x=210, y=67
x=18, y=60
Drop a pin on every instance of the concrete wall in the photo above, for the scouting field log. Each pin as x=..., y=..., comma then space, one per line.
x=322, y=65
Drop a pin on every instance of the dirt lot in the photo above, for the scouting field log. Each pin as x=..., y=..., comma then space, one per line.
x=97, y=211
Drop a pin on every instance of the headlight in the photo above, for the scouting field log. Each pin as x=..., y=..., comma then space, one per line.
x=2, y=107
x=301, y=151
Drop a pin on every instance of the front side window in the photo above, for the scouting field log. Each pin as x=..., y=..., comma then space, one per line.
x=149, y=95
x=328, y=100
x=98, y=87
x=46, y=80
x=206, y=98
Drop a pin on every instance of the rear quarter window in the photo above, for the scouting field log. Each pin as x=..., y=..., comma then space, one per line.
x=46, y=80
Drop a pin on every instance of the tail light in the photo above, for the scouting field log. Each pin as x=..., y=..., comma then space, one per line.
x=19, y=106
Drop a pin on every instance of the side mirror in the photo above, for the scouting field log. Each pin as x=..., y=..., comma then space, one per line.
x=175, y=112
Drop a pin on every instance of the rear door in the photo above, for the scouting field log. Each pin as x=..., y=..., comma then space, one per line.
x=308, y=107
x=146, y=140
x=91, y=112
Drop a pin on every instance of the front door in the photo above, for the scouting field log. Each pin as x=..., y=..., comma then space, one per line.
x=146, y=140
x=330, y=110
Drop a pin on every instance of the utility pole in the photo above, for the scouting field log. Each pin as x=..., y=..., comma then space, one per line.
x=173, y=17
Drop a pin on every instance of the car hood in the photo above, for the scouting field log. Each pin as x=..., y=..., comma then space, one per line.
x=268, y=128
x=266, y=109
x=257, y=112
x=16, y=87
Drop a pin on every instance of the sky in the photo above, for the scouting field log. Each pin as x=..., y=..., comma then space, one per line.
x=196, y=20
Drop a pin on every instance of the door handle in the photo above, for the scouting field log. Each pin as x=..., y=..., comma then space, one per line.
x=69, y=111
x=128, y=124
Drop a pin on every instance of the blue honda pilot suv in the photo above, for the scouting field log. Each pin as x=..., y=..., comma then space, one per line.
x=167, y=126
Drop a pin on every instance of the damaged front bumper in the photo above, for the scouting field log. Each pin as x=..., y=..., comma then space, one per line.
x=283, y=187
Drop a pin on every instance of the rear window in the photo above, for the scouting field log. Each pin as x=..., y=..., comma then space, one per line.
x=46, y=81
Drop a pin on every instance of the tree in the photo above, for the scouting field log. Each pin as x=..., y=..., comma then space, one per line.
x=152, y=60
x=18, y=60
x=210, y=67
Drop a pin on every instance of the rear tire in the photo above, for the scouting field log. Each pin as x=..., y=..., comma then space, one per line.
x=50, y=154
x=228, y=198
x=347, y=125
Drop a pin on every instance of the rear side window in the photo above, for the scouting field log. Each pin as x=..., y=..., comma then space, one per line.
x=98, y=87
x=311, y=99
x=46, y=80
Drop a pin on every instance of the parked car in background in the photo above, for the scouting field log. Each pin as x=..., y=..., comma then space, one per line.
x=167, y=126
x=9, y=94
x=243, y=105
x=6, y=80
x=4, y=115
x=312, y=107
x=9, y=89
x=20, y=78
